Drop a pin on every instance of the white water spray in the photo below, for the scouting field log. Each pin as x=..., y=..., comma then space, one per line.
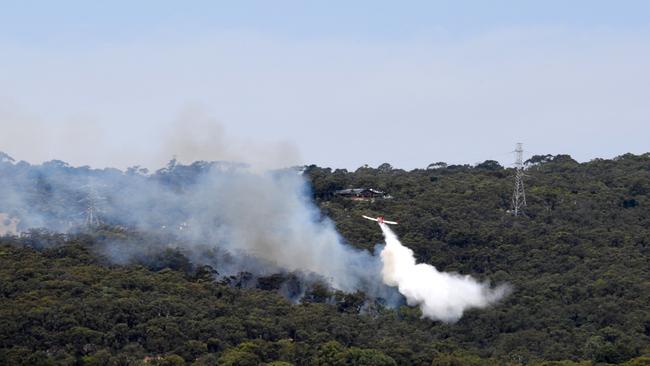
x=441, y=296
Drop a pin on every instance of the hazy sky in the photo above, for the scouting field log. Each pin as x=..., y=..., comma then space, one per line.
x=336, y=83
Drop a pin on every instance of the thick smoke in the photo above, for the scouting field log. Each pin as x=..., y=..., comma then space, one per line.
x=265, y=221
x=441, y=296
x=270, y=216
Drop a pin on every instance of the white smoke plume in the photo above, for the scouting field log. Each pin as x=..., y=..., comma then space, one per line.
x=441, y=296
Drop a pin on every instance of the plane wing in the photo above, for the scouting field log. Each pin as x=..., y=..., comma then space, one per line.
x=380, y=220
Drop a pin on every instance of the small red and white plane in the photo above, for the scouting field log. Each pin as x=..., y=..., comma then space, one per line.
x=380, y=220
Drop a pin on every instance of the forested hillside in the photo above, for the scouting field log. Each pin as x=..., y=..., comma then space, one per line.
x=579, y=260
x=578, y=263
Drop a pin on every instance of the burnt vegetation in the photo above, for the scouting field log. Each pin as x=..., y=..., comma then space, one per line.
x=578, y=262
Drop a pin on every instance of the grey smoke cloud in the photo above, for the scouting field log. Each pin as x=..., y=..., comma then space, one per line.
x=270, y=216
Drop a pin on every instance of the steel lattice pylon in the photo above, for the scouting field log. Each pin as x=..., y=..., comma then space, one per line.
x=91, y=201
x=519, y=194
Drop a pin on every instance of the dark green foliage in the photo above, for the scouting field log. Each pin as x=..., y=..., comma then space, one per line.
x=62, y=303
x=579, y=261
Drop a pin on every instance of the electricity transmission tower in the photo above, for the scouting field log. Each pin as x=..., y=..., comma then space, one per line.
x=519, y=195
x=91, y=202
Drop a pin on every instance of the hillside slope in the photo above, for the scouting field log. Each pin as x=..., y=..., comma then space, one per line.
x=578, y=262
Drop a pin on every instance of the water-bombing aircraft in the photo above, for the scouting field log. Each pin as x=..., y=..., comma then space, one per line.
x=380, y=220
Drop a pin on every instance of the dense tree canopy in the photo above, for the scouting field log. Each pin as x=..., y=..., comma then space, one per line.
x=578, y=262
